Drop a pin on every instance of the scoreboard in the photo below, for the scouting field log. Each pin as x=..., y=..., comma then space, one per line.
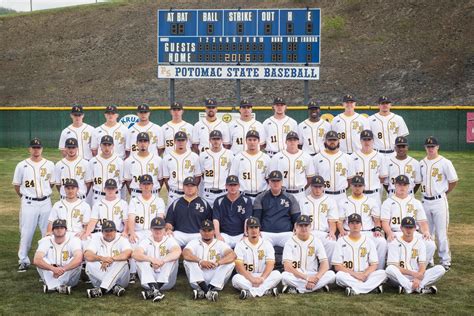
x=244, y=36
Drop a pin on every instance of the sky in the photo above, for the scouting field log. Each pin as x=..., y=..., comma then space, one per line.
x=24, y=5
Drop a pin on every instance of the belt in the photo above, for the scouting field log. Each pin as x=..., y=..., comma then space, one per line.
x=385, y=151
x=82, y=197
x=393, y=191
x=36, y=199
x=271, y=152
x=295, y=191
x=371, y=191
x=251, y=194
x=99, y=192
x=140, y=191
x=432, y=198
x=177, y=192
x=313, y=154
x=335, y=192
x=215, y=191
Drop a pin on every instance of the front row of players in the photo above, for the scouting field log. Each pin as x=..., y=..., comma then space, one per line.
x=209, y=262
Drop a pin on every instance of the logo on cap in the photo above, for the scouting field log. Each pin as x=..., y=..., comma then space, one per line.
x=157, y=222
x=176, y=105
x=275, y=175
x=110, y=183
x=317, y=181
x=313, y=105
x=292, y=135
x=303, y=220
x=77, y=109
x=279, y=100
x=143, y=108
x=384, y=99
x=431, y=141
x=331, y=135
x=252, y=133
x=408, y=222
x=143, y=136
x=68, y=182
x=146, y=179
x=111, y=109
x=366, y=134
x=403, y=179
x=215, y=134
x=357, y=180
x=232, y=180
x=210, y=102
x=108, y=226
x=35, y=142
x=207, y=225
x=354, y=217
x=189, y=181
x=107, y=139
x=348, y=98
x=401, y=140
x=253, y=222
x=180, y=136
x=245, y=102
x=59, y=223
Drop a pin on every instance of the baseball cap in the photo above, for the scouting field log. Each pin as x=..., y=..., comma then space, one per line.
x=189, y=180
x=215, y=134
x=401, y=140
x=331, y=135
x=245, y=102
x=313, y=105
x=366, y=134
x=71, y=143
x=317, y=181
x=384, y=99
x=252, y=133
x=207, y=225
x=108, y=226
x=408, y=222
x=275, y=175
x=303, y=220
x=279, y=100
x=146, y=179
x=107, y=139
x=110, y=184
x=176, y=106
x=402, y=179
x=68, y=182
x=77, y=109
x=210, y=103
x=143, y=136
x=431, y=141
x=232, y=180
x=292, y=135
x=59, y=223
x=36, y=142
x=111, y=109
x=180, y=136
x=157, y=223
x=354, y=217
x=143, y=108
x=253, y=222
x=357, y=180
x=348, y=98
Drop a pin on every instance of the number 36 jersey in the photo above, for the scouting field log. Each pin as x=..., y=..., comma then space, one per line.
x=254, y=257
x=305, y=255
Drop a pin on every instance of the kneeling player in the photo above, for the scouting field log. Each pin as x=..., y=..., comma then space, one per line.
x=254, y=264
x=407, y=262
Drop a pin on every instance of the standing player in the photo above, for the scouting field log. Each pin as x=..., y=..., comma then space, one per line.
x=113, y=128
x=312, y=130
x=439, y=178
x=238, y=128
x=254, y=264
x=305, y=261
x=296, y=166
x=208, y=263
x=215, y=165
x=145, y=125
x=251, y=167
x=33, y=180
x=355, y=260
x=178, y=165
x=277, y=127
x=386, y=126
x=406, y=263
x=349, y=125
x=175, y=125
x=78, y=130
x=204, y=127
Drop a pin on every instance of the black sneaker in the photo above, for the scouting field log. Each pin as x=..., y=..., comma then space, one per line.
x=118, y=290
x=94, y=292
x=325, y=288
x=272, y=292
x=289, y=290
x=212, y=296
x=244, y=294
x=133, y=278
x=198, y=294
x=64, y=289
x=429, y=290
x=158, y=296
x=148, y=294
x=379, y=289
x=22, y=267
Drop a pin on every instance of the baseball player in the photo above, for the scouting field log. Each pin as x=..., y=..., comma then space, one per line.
x=348, y=125
x=254, y=264
x=58, y=260
x=402, y=164
x=386, y=127
x=355, y=260
x=33, y=180
x=334, y=166
x=305, y=261
x=312, y=130
x=177, y=165
x=251, y=167
x=406, y=263
x=230, y=212
x=371, y=165
x=157, y=261
x=215, y=165
x=202, y=128
x=78, y=130
x=277, y=127
x=401, y=205
x=185, y=215
x=277, y=211
x=145, y=125
x=439, y=178
x=175, y=125
x=142, y=162
x=113, y=128
x=71, y=167
x=208, y=262
x=238, y=128
x=106, y=165
x=369, y=211
x=296, y=166
x=323, y=211
x=106, y=262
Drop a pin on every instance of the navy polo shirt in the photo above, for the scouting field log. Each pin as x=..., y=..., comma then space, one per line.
x=187, y=216
x=278, y=213
x=232, y=215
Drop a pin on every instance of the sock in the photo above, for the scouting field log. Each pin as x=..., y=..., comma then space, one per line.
x=159, y=285
x=203, y=286
x=211, y=287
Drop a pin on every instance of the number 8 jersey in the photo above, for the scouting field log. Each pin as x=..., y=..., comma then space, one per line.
x=254, y=257
x=356, y=255
x=304, y=255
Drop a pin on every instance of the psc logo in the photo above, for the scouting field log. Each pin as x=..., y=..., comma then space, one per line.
x=129, y=120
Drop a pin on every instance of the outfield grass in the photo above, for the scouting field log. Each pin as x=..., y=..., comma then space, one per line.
x=22, y=293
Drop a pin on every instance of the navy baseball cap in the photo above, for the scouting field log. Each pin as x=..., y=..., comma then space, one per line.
x=384, y=99
x=143, y=136
x=77, y=110
x=357, y=180
x=36, y=142
x=303, y=220
x=176, y=106
x=157, y=223
x=189, y=181
x=366, y=135
x=331, y=135
x=110, y=184
x=408, y=222
x=68, y=182
x=252, y=133
x=275, y=175
x=402, y=179
x=313, y=105
x=215, y=134
x=401, y=140
x=180, y=136
x=279, y=100
x=245, y=103
x=431, y=141
x=111, y=109
x=146, y=179
x=210, y=103
x=107, y=139
x=292, y=135
x=59, y=223
x=108, y=226
x=354, y=217
x=253, y=222
x=207, y=224
x=317, y=181
x=143, y=108
x=71, y=143
x=348, y=98
x=232, y=180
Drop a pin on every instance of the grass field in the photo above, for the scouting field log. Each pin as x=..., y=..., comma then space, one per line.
x=21, y=293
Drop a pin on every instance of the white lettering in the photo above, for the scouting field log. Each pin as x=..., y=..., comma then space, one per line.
x=239, y=16
x=209, y=17
x=268, y=16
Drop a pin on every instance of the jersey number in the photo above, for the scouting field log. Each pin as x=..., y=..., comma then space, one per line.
x=98, y=180
x=249, y=267
x=380, y=135
x=246, y=175
x=402, y=264
x=239, y=141
x=296, y=264
x=341, y=135
x=139, y=220
x=273, y=139
x=348, y=264
x=169, y=143
x=30, y=184
x=396, y=220
x=209, y=173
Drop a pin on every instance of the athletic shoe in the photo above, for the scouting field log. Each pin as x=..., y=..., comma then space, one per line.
x=289, y=290
x=325, y=288
x=118, y=290
x=94, y=292
x=133, y=278
x=158, y=296
x=64, y=289
x=401, y=290
x=244, y=294
x=45, y=289
x=271, y=292
x=198, y=294
x=447, y=267
x=429, y=290
x=350, y=292
x=212, y=296
x=148, y=294
x=379, y=289
x=22, y=267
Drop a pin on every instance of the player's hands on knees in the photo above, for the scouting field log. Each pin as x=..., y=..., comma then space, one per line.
x=418, y=275
x=104, y=265
x=157, y=263
x=207, y=265
x=313, y=279
x=257, y=281
x=416, y=284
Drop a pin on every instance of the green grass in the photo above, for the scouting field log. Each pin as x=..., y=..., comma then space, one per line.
x=21, y=292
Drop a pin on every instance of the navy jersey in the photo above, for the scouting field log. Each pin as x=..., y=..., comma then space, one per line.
x=277, y=214
x=232, y=215
x=187, y=216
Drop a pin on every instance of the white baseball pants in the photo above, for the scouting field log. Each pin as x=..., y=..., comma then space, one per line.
x=70, y=278
x=217, y=277
x=290, y=279
x=241, y=283
x=376, y=278
x=431, y=276
x=166, y=274
x=117, y=273
x=277, y=239
x=437, y=213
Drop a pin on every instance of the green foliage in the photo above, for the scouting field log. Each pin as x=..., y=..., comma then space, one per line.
x=5, y=11
x=334, y=26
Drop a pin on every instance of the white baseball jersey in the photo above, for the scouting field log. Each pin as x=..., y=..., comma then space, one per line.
x=276, y=131
x=146, y=210
x=83, y=134
x=102, y=169
x=116, y=211
x=76, y=214
x=251, y=170
x=356, y=255
x=408, y=255
x=176, y=167
x=395, y=209
x=59, y=254
x=312, y=135
x=366, y=207
x=118, y=132
x=254, y=257
x=238, y=130
x=34, y=178
x=209, y=252
x=154, y=132
x=409, y=167
x=295, y=168
x=203, y=128
x=348, y=130
x=136, y=166
x=75, y=169
x=386, y=129
x=304, y=255
x=215, y=167
x=158, y=249
x=334, y=168
x=436, y=174
x=99, y=246
x=320, y=210
x=372, y=167
x=170, y=129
